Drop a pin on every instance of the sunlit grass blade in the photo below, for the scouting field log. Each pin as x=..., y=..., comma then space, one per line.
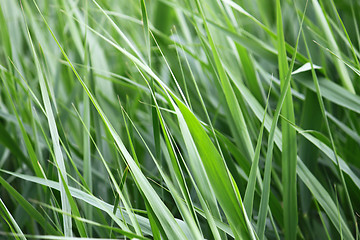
x=214, y=166
x=285, y=93
x=55, y=140
x=289, y=141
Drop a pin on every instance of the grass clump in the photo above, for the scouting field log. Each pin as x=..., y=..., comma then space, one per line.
x=185, y=119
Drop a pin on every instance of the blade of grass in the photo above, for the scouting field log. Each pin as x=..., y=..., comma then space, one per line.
x=268, y=161
x=55, y=139
x=218, y=175
x=289, y=144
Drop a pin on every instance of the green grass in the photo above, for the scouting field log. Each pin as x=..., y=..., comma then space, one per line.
x=179, y=119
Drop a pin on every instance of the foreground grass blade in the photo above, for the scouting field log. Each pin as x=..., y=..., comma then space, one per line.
x=268, y=162
x=55, y=140
x=289, y=150
x=218, y=175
